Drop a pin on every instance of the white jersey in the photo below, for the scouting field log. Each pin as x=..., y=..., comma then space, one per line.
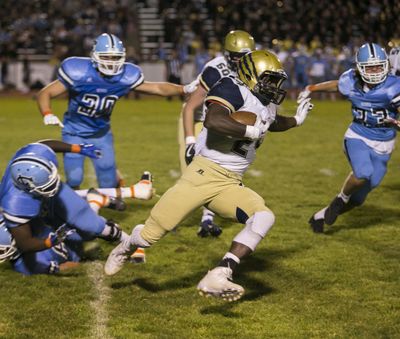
x=394, y=60
x=233, y=154
x=213, y=71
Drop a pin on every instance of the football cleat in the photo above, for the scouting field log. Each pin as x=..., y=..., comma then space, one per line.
x=144, y=188
x=117, y=258
x=138, y=257
x=208, y=227
x=218, y=283
x=102, y=200
x=317, y=225
x=334, y=209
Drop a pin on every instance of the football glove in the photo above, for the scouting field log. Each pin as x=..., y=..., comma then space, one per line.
x=90, y=151
x=207, y=228
x=51, y=119
x=190, y=88
x=304, y=94
x=58, y=236
x=303, y=108
x=257, y=131
x=189, y=153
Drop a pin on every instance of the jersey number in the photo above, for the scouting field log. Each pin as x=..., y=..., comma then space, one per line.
x=94, y=106
x=223, y=69
x=379, y=114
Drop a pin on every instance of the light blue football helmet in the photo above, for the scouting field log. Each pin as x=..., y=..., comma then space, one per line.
x=368, y=55
x=108, y=54
x=8, y=248
x=35, y=175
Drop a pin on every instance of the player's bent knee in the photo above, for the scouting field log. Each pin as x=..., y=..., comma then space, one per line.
x=257, y=226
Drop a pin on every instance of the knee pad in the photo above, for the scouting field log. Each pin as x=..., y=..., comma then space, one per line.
x=257, y=226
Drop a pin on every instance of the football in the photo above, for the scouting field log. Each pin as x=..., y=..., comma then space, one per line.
x=244, y=117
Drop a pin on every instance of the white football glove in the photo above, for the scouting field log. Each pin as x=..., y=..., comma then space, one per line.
x=304, y=94
x=303, y=108
x=257, y=131
x=51, y=119
x=190, y=88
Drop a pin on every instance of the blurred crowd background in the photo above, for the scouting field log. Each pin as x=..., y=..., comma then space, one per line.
x=315, y=40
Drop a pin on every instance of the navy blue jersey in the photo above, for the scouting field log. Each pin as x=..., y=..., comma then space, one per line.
x=226, y=92
x=92, y=96
x=213, y=72
x=371, y=108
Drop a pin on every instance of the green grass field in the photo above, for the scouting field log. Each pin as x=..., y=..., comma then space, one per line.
x=342, y=284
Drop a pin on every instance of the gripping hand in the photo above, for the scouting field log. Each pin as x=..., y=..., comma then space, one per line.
x=303, y=108
x=90, y=151
x=58, y=236
x=51, y=119
x=190, y=88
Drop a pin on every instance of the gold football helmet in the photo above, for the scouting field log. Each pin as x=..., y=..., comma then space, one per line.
x=237, y=43
x=262, y=72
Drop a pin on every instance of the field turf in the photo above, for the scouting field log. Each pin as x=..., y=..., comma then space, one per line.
x=342, y=284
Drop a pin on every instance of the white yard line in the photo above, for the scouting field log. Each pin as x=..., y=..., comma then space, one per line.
x=96, y=275
x=99, y=304
x=327, y=171
x=173, y=173
x=254, y=173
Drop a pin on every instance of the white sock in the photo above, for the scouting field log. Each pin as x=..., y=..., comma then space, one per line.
x=229, y=255
x=207, y=215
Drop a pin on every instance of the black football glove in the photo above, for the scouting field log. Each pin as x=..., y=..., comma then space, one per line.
x=189, y=153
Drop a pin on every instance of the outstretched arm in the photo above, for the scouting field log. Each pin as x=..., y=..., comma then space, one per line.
x=327, y=86
x=58, y=146
x=164, y=89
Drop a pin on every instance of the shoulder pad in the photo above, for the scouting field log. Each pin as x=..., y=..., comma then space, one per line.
x=19, y=207
x=346, y=82
x=133, y=75
x=73, y=69
x=209, y=77
x=227, y=93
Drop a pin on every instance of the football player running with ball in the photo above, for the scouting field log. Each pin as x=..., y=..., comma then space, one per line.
x=94, y=85
x=369, y=140
x=224, y=150
x=236, y=44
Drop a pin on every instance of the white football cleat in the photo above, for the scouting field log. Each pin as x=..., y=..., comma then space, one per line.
x=117, y=258
x=144, y=188
x=218, y=283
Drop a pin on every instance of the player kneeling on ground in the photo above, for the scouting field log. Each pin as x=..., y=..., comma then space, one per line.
x=225, y=148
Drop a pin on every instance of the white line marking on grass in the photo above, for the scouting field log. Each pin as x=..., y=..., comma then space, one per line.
x=102, y=291
x=173, y=173
x=98, y=305
x=255, y=173
x=327, y=171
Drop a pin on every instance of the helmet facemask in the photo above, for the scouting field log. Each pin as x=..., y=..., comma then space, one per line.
x=376, y=77
x=109, y=63
x=232, y=58
x=268, y=87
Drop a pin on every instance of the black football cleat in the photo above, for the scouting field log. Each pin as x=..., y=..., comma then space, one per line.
x=147, y=176
x=334, y=209
x=207, y=227
x=116, y=204
x=317, y=225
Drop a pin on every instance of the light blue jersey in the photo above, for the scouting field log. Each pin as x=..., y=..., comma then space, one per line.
x=371, y=108
x=48, y=261
x=19, y=207
x=92, y=96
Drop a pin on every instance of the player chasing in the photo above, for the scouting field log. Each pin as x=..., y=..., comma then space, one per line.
x=236, y=44
x=32, y=197
x=225, y=149
x=369, y=140
x=94, y=85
